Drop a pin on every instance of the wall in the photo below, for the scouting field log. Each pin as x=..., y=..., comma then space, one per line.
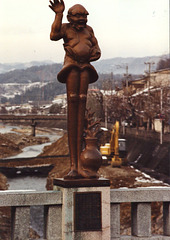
x=148, y=155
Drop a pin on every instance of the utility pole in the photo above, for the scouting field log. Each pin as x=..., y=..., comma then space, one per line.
x=149, y=85
x=42, y=86
x=112, y=80
x=127, y=75
x=105, y=105
x=149, y=72
x=106, y=113
x=161, y=132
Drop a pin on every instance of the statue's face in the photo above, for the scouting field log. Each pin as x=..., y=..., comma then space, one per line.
x=77, y=16
x=79, y=20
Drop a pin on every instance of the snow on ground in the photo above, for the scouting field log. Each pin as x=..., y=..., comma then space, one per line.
x=145, y=178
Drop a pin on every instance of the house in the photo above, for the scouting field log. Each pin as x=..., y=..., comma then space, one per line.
x=160, y=78
x=156, y=85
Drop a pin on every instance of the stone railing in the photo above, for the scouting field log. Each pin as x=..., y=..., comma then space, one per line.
x=20, y=202
x=140, y=199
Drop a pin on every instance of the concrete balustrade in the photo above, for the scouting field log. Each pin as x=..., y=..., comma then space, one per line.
x=140, y=199
x=20, y=201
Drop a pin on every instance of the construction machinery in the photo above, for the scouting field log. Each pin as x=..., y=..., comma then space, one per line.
x=114, y=152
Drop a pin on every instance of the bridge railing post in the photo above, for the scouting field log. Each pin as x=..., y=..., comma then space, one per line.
x=20, y=223
x=166, y=218
x=141, y=219
x=115, y=220
x=53, y=222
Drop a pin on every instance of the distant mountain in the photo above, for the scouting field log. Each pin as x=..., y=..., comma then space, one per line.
x=30, y=81
x=30, y=78
x=6, y=67
x=118, y=65
x=44, y=73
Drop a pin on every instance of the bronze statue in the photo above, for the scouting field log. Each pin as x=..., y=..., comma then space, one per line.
x=81, y=48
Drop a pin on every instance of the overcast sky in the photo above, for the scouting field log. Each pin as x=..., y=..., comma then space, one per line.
x=124, y=28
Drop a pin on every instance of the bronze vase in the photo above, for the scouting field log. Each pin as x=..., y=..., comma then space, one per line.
x=91, y=158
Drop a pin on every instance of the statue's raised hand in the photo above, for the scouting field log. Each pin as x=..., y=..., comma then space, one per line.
x=57, y=6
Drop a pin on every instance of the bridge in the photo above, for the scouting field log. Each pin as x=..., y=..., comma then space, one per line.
x=141, y=200
x=31, y=117
x=34, y=118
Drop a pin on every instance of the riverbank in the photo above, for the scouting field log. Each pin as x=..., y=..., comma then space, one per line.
x=11, y=144
x=149, y=156
x=125, y=176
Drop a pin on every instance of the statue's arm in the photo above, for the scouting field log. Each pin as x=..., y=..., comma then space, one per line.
x=95, y=51
x=56, y=28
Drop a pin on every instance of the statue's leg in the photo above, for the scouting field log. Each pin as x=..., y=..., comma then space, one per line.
x=84, y=81
x=72, y=111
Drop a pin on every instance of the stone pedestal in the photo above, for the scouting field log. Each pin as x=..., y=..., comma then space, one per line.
x=85, y=208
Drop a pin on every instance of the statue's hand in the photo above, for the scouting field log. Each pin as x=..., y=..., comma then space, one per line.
x=95, y=54
x=57, y=6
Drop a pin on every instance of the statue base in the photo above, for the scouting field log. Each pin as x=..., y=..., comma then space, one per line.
x=85, y=208
x=83, y=182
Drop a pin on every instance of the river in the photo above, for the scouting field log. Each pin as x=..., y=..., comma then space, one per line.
x=31, y=151
x=31, y=182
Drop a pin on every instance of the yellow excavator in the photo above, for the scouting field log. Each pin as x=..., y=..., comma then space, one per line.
x=115, y=151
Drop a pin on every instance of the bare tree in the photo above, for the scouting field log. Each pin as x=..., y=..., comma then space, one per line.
x=163, y=64
x=95, y=102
